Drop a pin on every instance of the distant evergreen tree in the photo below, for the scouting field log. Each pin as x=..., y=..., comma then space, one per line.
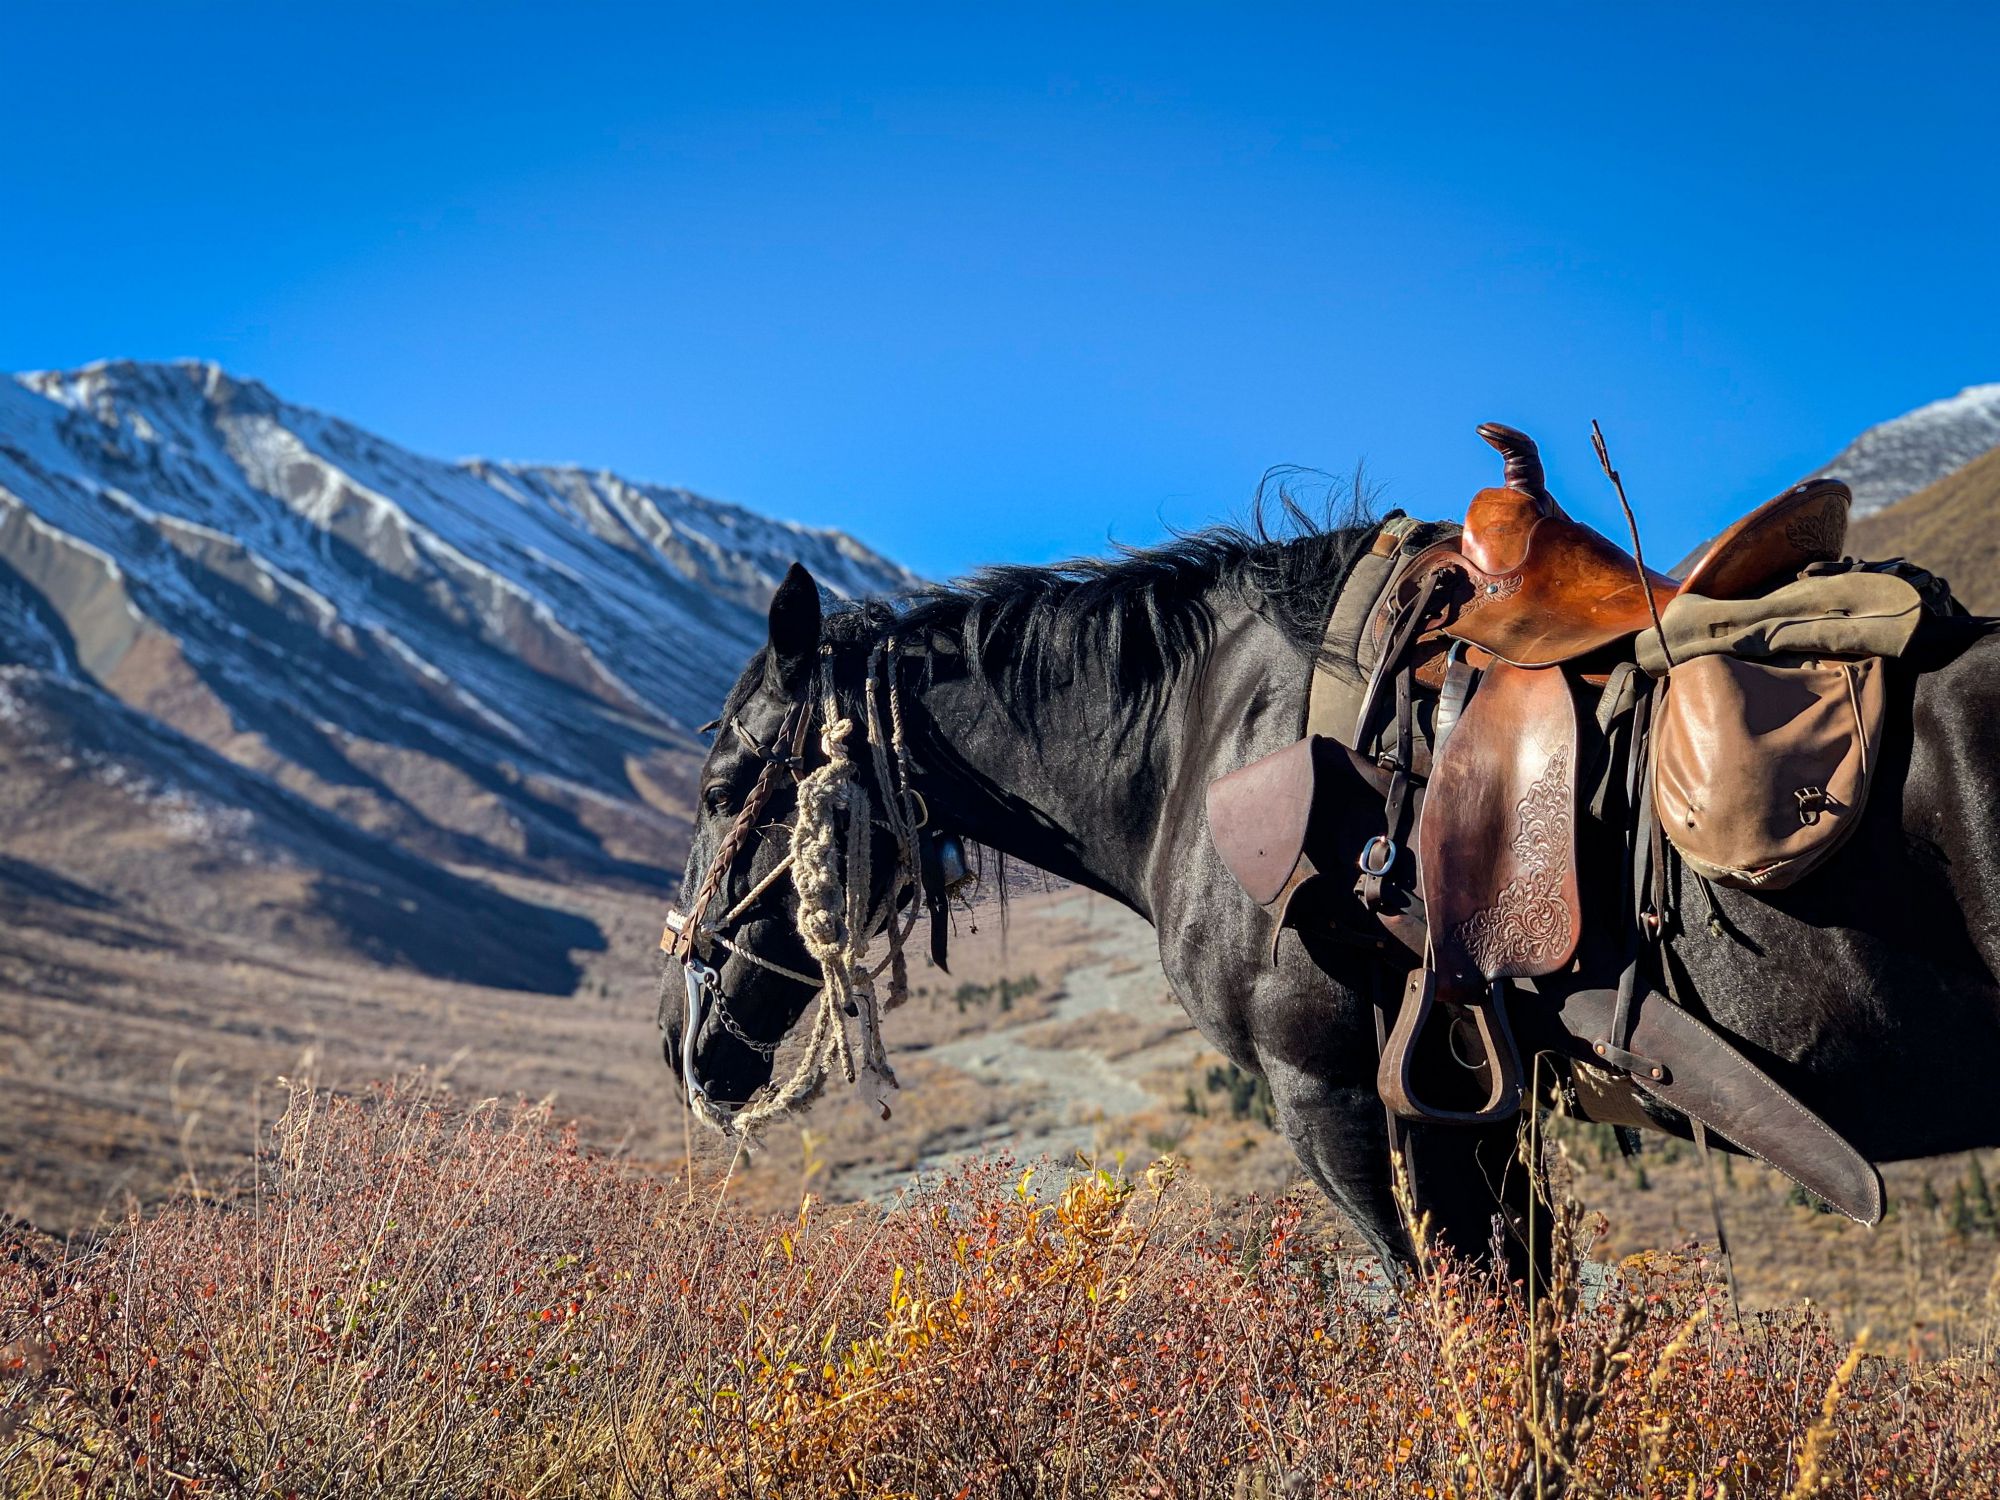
x=1961, y=1211
x=1982, y=1192
x=1249, y=1094
x=1932, y=1202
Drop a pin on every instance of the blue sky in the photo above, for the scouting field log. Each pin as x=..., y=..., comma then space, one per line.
x=1008, y=282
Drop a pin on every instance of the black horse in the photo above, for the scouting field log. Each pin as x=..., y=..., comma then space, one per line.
x=1071, y=717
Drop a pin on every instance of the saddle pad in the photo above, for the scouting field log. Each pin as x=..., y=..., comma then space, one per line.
x=1855, y=613
x=1349, y=648
x=1496, y=847
x=1762, y=769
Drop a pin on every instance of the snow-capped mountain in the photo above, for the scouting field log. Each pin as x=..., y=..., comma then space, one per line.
x=1899, y=457
x=482, y=662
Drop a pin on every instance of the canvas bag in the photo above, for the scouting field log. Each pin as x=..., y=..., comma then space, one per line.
x=1771, y=725
x=1761, y=769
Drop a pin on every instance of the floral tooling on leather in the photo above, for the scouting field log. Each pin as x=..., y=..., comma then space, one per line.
x=1527, y=930
x=1504, y=587
x=1822, y=533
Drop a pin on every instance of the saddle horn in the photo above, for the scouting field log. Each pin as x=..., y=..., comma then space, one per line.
x=1524, y=462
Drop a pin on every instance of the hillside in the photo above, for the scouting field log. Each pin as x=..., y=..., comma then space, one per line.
x=1896, y=458
x=487, y=663
x=1948, y=526
x=313, y=745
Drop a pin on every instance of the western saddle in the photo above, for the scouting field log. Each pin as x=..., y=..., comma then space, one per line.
x=1459, y=674
x=1534, y=588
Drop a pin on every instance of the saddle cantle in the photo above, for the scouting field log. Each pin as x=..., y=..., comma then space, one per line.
x=1466, y=666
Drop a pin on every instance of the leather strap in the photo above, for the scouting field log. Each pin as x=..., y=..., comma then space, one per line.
x=1705, y=1078
x=1715, y=1214
x=1615, y=1043
x=1402, y=635
x=1391, y=1120
x=1347, y=655
x=1386, y=852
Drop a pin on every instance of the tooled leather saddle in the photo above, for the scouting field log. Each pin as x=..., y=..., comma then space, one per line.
x=1485, y=679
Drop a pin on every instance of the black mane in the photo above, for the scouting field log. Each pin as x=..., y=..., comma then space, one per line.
x=1142, y=613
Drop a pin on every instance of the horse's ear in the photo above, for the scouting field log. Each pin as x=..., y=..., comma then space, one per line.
x=794, y=628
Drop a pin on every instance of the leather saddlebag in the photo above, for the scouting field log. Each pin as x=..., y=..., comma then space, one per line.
x=1762, y=768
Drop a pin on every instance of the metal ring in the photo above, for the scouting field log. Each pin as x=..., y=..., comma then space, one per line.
x=1387, y=846
x=1470, y=1064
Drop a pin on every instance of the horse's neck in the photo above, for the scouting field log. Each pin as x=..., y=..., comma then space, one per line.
x=1085, y=787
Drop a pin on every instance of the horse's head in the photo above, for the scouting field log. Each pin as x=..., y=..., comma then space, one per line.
x=740, y=970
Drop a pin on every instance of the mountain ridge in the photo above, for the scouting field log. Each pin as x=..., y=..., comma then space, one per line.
x=483, y=665
x=1894, y=459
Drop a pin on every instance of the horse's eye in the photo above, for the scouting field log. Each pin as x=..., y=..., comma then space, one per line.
x=715, y=797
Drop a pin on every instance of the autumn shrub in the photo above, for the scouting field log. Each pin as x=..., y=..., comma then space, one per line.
x=416, y=1297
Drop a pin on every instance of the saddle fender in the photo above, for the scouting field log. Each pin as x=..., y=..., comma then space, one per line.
x=1497, y=845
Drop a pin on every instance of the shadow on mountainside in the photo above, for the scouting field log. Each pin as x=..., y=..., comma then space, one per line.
x=100, y=801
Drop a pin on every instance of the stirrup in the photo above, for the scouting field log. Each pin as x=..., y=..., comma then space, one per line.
x=1419, y=1053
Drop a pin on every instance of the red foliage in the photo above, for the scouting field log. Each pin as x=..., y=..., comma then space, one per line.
x=421, y=1299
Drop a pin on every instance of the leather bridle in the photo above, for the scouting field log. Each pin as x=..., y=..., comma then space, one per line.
x=686, y=930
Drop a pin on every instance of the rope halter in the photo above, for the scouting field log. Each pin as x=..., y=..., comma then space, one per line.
x=830, y=865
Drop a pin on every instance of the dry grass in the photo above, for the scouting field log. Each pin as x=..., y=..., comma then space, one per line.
x=1927, y=1279
x=419, y=1298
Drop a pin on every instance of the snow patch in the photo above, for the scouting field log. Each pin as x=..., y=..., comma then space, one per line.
x=1895, y=459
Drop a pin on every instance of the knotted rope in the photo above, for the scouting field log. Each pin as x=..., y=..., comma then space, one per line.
x=831, y=864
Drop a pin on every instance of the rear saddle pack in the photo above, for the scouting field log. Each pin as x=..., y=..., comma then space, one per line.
x=1519, y=684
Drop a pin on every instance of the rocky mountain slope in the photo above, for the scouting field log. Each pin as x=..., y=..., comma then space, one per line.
x=1895, y=459
x=251, y=634
x=1949, y=527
